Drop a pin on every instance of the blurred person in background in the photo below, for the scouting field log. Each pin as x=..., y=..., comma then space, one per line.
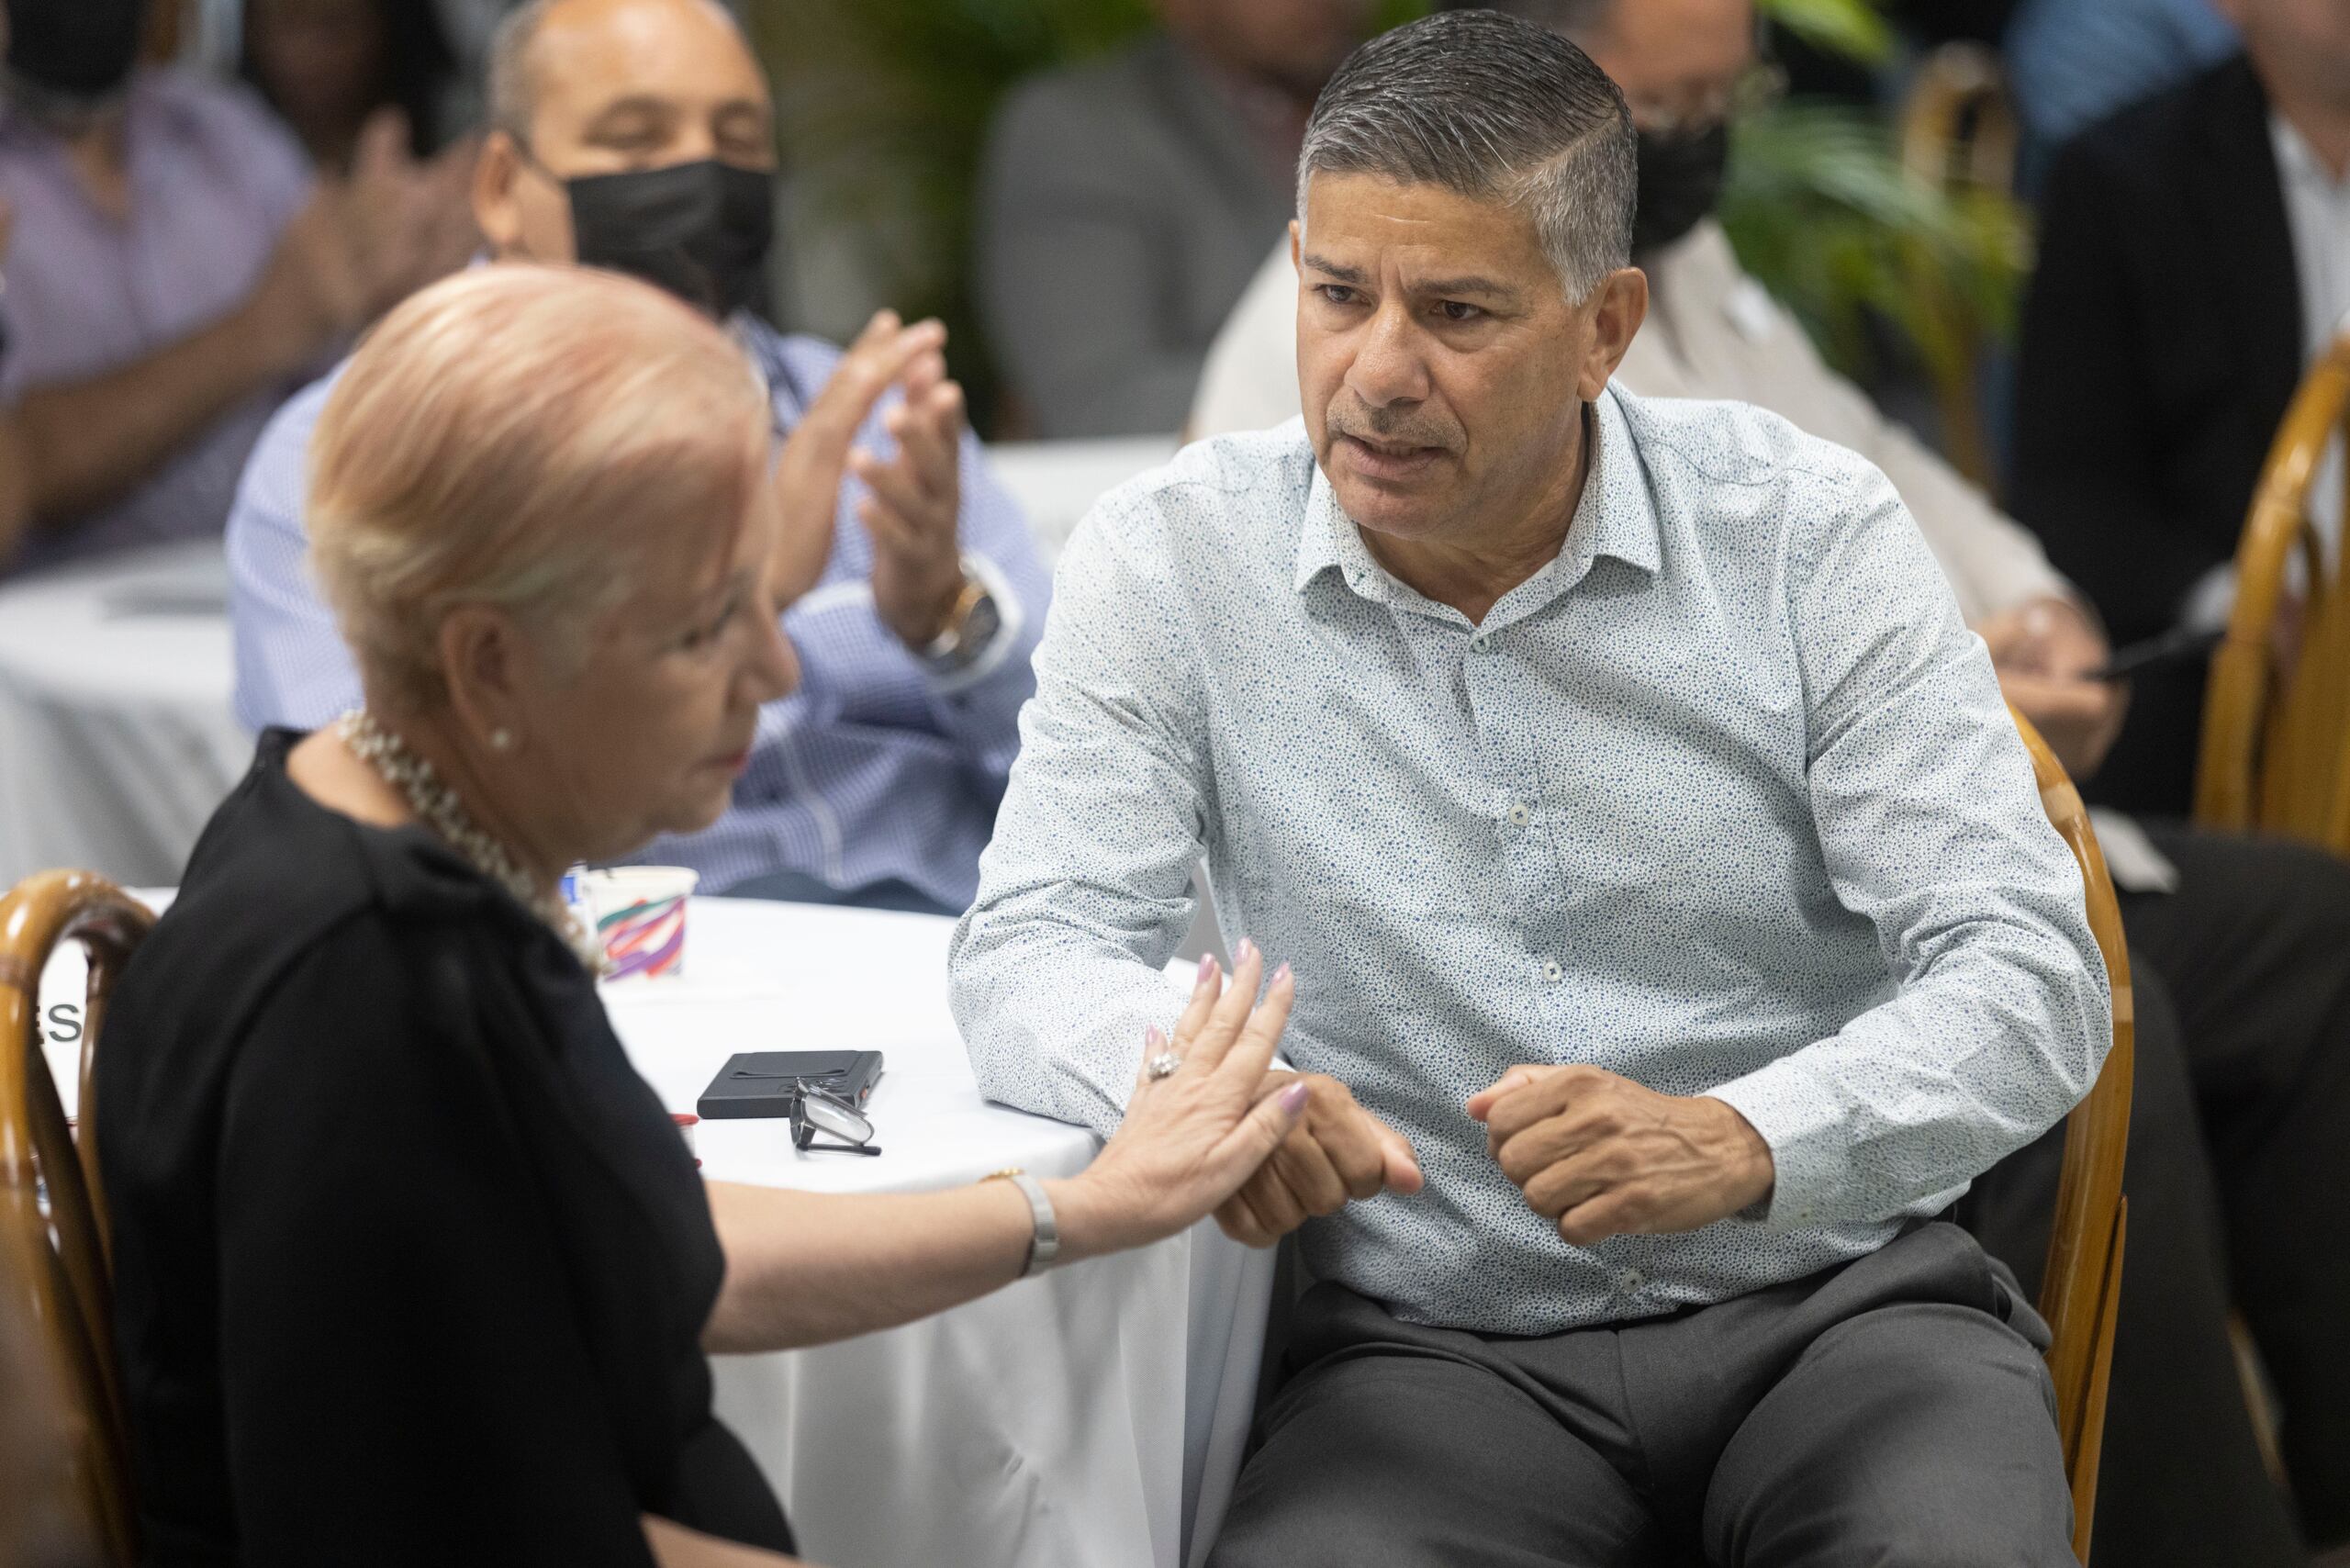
x=1123, y=203
x=2243, y=1022
x=175, y=273
x=2194, y=259
x=328, y=66
x=2072, y=63
x=638, y=135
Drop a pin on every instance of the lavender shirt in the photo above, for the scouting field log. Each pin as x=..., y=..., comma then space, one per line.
x=214, y=180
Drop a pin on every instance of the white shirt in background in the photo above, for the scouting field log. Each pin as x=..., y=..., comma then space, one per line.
x=2317, y=211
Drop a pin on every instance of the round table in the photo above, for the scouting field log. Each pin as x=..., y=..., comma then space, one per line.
x=115, y=737
x=1093, y=1416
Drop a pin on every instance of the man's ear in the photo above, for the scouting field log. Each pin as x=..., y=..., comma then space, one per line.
x=496, y=209
x=1296, y=248
x=1619, y=306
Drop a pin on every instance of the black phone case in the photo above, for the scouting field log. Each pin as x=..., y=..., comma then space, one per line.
x=759, y=1083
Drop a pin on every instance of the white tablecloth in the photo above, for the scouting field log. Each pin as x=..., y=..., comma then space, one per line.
x=117, y=739
x=116, y=735
x=1092, y=1418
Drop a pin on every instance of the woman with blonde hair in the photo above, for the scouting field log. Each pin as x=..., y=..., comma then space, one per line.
x=412, y=1267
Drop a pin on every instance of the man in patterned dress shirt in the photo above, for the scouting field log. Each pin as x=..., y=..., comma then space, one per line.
x=638, y=133
x=1676, y=928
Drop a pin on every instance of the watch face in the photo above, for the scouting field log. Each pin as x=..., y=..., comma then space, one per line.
x=963, y=643
x=979, y=627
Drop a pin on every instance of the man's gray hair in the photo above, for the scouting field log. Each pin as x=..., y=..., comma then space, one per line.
x=1496, y=109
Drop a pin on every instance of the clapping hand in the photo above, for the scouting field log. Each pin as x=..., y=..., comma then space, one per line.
x=1603, y=1155
x=817, y=455
x=368, y=239
x=915, y=504
x=1191, y=1137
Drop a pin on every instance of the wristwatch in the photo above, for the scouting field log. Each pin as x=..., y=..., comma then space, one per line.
x=1044, y=1244
x=972, y=625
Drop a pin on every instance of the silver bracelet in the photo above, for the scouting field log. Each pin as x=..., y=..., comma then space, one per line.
x=1044, y=1244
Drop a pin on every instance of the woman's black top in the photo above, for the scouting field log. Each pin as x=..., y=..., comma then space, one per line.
x=411, y=1267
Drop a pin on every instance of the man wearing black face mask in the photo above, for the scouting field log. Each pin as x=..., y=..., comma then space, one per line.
x=2244, y=1047
x=637, y=135
x=176, y=272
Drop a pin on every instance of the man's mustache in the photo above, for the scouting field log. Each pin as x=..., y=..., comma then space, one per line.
x=1395, y=427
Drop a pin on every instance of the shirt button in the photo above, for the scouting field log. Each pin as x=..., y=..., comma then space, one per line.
x=1480, y=644
x=1551, y=973
x=1630, y=1280
x=1521, y=814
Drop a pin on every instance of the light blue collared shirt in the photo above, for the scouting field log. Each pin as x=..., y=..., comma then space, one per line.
x=1723, y=798
x=875, y=770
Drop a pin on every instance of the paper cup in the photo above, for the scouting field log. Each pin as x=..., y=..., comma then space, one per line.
x=640, y=916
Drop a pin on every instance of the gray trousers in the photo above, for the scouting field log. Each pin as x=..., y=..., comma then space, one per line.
x=1892, y=1411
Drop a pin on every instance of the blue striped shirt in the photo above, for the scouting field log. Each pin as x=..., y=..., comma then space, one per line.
x=873, y=770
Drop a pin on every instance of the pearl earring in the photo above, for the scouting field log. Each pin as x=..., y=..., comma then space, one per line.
x=501, y=740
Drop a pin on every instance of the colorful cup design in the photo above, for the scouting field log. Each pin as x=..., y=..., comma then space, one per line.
x=640, y=915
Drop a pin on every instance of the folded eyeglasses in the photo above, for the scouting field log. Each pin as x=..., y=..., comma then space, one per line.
x=814, y=1110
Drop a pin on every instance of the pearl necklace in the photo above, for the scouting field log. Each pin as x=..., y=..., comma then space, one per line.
x=437, y=806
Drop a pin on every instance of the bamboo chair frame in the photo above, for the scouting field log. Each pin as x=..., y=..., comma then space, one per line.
x=2276, y=744
x=1958, y=128
x=65, y=1262
x=2082, y=1285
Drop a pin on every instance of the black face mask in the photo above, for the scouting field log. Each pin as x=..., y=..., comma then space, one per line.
x=75, y=52
x=701, y=231
x=1680, y=180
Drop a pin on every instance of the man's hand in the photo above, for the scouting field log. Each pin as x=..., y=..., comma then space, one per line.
x=1603, y=1155
x=407, y=222
x=816, y=455
x=916, y=502
x=1337, y=1152
x=2044, y=653
x=366, y=241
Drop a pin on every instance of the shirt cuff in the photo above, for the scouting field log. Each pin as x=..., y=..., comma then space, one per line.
x=1805, y=1130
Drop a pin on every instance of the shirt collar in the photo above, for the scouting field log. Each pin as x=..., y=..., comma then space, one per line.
x=2297, y=163
x=1616, y=518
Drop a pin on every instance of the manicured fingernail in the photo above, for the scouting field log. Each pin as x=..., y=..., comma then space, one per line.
x=1241, y=953
x=1153, y=1038
x=1282, y=974
x=1207, y=968
x=1294, y=1098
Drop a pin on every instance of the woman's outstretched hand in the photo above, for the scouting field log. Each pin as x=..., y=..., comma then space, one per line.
x=1191, y=1137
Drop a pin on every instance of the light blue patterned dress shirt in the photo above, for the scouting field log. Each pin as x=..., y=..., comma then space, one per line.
x=874, y=770
x=1724, y=799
